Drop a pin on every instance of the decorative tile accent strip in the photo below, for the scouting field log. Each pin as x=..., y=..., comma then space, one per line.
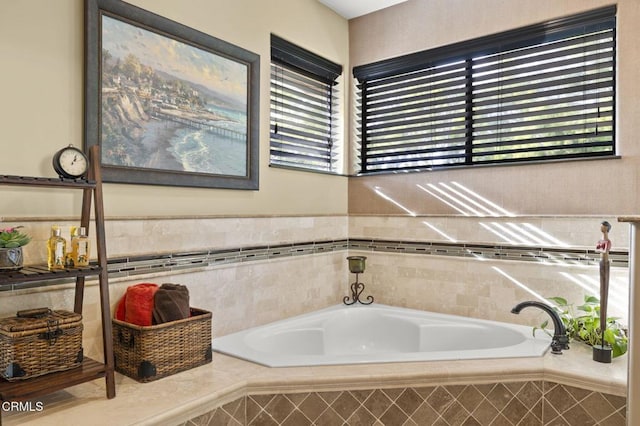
x=567, y=256
x=147, y=264
x=510, y=404
x=173, y=261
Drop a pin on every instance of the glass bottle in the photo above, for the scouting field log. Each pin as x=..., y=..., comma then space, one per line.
x=80, y=248
x=56, y=250
x=68, y=260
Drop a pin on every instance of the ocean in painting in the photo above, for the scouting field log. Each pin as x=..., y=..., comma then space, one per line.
x=212, y=151
x=218, y=147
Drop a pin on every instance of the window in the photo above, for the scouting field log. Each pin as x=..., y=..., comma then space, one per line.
x=303, y=108
x=543, y=92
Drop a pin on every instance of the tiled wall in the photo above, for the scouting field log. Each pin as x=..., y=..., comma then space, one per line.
x=493, y=270
x=250, y=271
x=513, y=403
x=155, y=236
x=248, y=287
x=480, y=288
x=550, y=231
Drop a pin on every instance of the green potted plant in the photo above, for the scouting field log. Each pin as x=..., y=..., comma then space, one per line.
x=583, y=324
x=11, y=242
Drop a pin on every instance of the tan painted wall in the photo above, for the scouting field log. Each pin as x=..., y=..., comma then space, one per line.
x=573, y=188
x=41, y=107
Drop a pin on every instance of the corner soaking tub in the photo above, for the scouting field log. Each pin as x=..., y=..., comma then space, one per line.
x=378, y=333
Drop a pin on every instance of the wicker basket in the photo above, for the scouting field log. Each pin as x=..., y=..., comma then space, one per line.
x=38, y=342
x=148, y=353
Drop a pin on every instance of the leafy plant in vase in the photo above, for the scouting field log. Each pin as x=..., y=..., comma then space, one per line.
x=583, y=324
x=11, y=242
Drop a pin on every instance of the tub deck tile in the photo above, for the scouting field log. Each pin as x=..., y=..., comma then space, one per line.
x=196, y=392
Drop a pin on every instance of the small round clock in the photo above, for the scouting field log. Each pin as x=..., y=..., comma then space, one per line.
x=70, y=163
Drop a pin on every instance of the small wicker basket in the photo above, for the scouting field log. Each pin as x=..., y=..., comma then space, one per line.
x=148, y=353
x=40, y=341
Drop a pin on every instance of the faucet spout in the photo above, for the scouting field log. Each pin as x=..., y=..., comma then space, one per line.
x=560, y=339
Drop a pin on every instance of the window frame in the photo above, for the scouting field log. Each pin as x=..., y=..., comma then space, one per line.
x=533, y=35
x=302, y=64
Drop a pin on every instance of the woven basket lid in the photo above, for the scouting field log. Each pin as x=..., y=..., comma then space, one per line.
x=59, y=317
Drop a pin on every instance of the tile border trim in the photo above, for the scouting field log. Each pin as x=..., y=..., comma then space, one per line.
x=131, y=266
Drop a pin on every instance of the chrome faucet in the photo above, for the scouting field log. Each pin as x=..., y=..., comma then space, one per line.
x=560, y=339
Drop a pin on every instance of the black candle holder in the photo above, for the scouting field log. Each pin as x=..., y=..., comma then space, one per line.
x=356, y=266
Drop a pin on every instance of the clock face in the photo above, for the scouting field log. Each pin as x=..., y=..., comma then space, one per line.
x=72, y=163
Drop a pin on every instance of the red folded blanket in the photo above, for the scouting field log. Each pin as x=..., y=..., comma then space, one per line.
x=136, y=305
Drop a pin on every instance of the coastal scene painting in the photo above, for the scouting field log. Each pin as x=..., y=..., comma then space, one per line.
x=170, y=105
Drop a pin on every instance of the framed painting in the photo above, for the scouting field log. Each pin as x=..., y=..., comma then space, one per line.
x=168, y=105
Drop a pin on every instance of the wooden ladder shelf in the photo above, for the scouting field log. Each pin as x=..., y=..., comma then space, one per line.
x=90, y=369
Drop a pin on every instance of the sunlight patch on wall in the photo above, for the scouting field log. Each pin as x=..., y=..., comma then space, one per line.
x=392, y=201
x=492, y=207
x=455, y=203
x=550, y=239
x=618, y=290
x=438, y=231
x=523, y=233
x=464, y=200
x=522, y=286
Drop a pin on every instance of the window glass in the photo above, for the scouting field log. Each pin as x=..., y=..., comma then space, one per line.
x=303, y=108
x=543, y=92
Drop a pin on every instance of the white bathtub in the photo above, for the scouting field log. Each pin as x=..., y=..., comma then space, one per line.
x=379, y=333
